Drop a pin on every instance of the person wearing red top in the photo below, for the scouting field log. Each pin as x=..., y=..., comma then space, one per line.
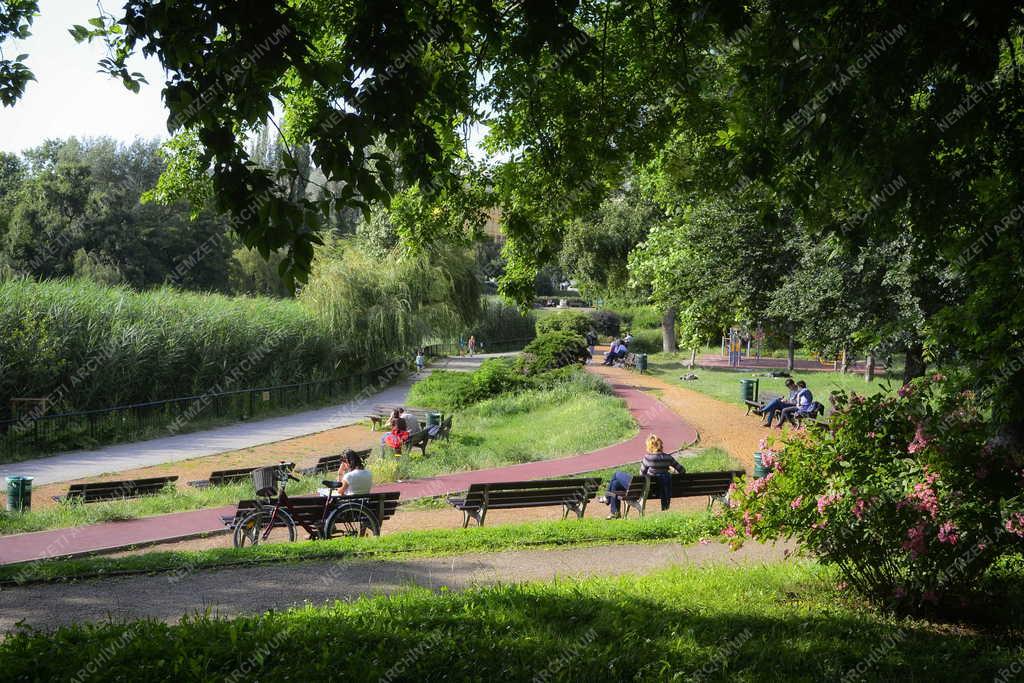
x=398, y=435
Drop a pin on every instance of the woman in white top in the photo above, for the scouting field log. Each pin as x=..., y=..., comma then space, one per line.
x=355, y=480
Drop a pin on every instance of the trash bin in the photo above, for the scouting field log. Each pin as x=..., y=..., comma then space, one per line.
x=641, y=362
x=433, y=419
x=19, y=494
x=760, y=471
x=749, y=389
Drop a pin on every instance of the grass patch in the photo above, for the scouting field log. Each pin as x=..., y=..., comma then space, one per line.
x=683, y=528
x=769, y=623
x=725, y=384
x=537, y=424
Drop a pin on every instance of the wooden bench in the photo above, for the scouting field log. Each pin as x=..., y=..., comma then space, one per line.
x=714, y=485
x=310, y=509
x=572, y=494
x=222, y=477
x=444, y=430
x=757, y=405
x=330, y=463
x=91, y=492
x=628, y=361
x=382, y=414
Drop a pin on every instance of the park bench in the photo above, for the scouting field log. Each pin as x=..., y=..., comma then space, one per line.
x=571, y=494
x=381, y=414
x=330, y=463
x=441, y=431
x=309, y=509
x=233, y=476
x=714, y=485
x=760, y=403
x=91, y=492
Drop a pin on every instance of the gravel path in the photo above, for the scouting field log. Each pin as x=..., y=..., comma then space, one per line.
x=251, y=590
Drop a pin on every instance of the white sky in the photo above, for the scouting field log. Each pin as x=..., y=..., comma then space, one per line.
x=68, y=97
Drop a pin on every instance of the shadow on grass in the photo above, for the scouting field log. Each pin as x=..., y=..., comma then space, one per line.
x=722, y=625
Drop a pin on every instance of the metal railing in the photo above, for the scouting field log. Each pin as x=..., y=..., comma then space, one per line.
x=453, y=348
x=40, y=434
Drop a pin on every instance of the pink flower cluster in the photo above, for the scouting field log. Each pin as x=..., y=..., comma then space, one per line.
x=769, y=459
x=748, y=522
x=905, y=390
x=938, y=377
x=920, y=441
x=924, y=497
x=859, y=506
x=826, y=500
x=947, y=533
x=755, y=486
x=916, y=543
x=1015, y=524
x=796, y=502
x=729, y=531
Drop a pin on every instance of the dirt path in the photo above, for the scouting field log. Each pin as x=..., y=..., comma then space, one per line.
x=719, y=423
x=254, y=590
x=303, y=450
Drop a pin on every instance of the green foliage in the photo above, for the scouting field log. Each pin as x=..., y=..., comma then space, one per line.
x=639, y=317
x=646, y=341
x=90, y=346
x=905, y=494
x=565, y=321
x=442, y=389
x=530, y=630
x=494, y=376
x=499, y=321
x=552, y=350
x=385, y=306
x=607, y=323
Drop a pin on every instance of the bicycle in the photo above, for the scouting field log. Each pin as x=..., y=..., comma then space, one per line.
x=276, y=517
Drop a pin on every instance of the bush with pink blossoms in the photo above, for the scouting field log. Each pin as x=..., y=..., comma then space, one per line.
x=905, y=493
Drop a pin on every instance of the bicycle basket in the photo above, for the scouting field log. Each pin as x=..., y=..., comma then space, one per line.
x=264, y=480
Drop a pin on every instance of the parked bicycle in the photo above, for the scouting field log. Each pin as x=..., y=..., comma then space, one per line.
x=275, y=517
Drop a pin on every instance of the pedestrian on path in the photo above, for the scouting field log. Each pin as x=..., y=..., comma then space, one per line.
x=471, y=344
x=421, y=361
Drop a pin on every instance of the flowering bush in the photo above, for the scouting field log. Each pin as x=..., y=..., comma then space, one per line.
x=906, y=494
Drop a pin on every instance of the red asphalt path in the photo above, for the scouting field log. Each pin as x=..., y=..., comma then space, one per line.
x=651, y=415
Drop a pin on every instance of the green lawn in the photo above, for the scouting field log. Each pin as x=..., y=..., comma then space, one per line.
x=523, y=427
x=725, y=384
x=780, y=622
x=684, y=528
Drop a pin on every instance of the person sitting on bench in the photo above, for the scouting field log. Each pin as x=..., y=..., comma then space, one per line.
x=804, y=404
x=410, y=421
x=656, y=464
x=618, y=350
x=777, y=404
x=398, y=435
x=353, y=478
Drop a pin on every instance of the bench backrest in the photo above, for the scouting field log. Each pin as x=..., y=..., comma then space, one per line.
x=416, y=440
x=687, y=485
x=221, y=477
x=113, y=490
x=309, y=509
x=553, y=491
x=331, y=463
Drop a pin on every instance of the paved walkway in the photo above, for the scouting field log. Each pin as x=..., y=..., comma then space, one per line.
x=254, y=590
x=127, y=456
x=650, y=414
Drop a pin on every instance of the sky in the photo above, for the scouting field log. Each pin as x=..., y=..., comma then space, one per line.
x=68, y=97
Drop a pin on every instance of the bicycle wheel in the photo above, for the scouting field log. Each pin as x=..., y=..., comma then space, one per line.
x=252, y=530
x=351, y=520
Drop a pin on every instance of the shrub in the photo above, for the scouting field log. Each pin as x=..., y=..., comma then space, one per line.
x=443, y=389
x=646, y=341
x=498, y=321
x=641, y=318
x=607, y=323
x=494, y=376
x=906, y=494
x=565, y=321
x=553, y=350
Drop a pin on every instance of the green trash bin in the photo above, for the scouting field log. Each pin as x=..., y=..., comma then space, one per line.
x=641, y=362
x=749, y=389
x=19, y=494
x=760, y=471
x=433, y=419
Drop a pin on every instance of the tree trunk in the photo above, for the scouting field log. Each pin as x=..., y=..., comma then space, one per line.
x=693, y=357
x=915, y=365
x=791, y=354
x=845, y=368
x=869, y=367
x=668, y=330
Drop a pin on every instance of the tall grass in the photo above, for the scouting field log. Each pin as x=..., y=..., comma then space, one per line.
x=90, y=346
